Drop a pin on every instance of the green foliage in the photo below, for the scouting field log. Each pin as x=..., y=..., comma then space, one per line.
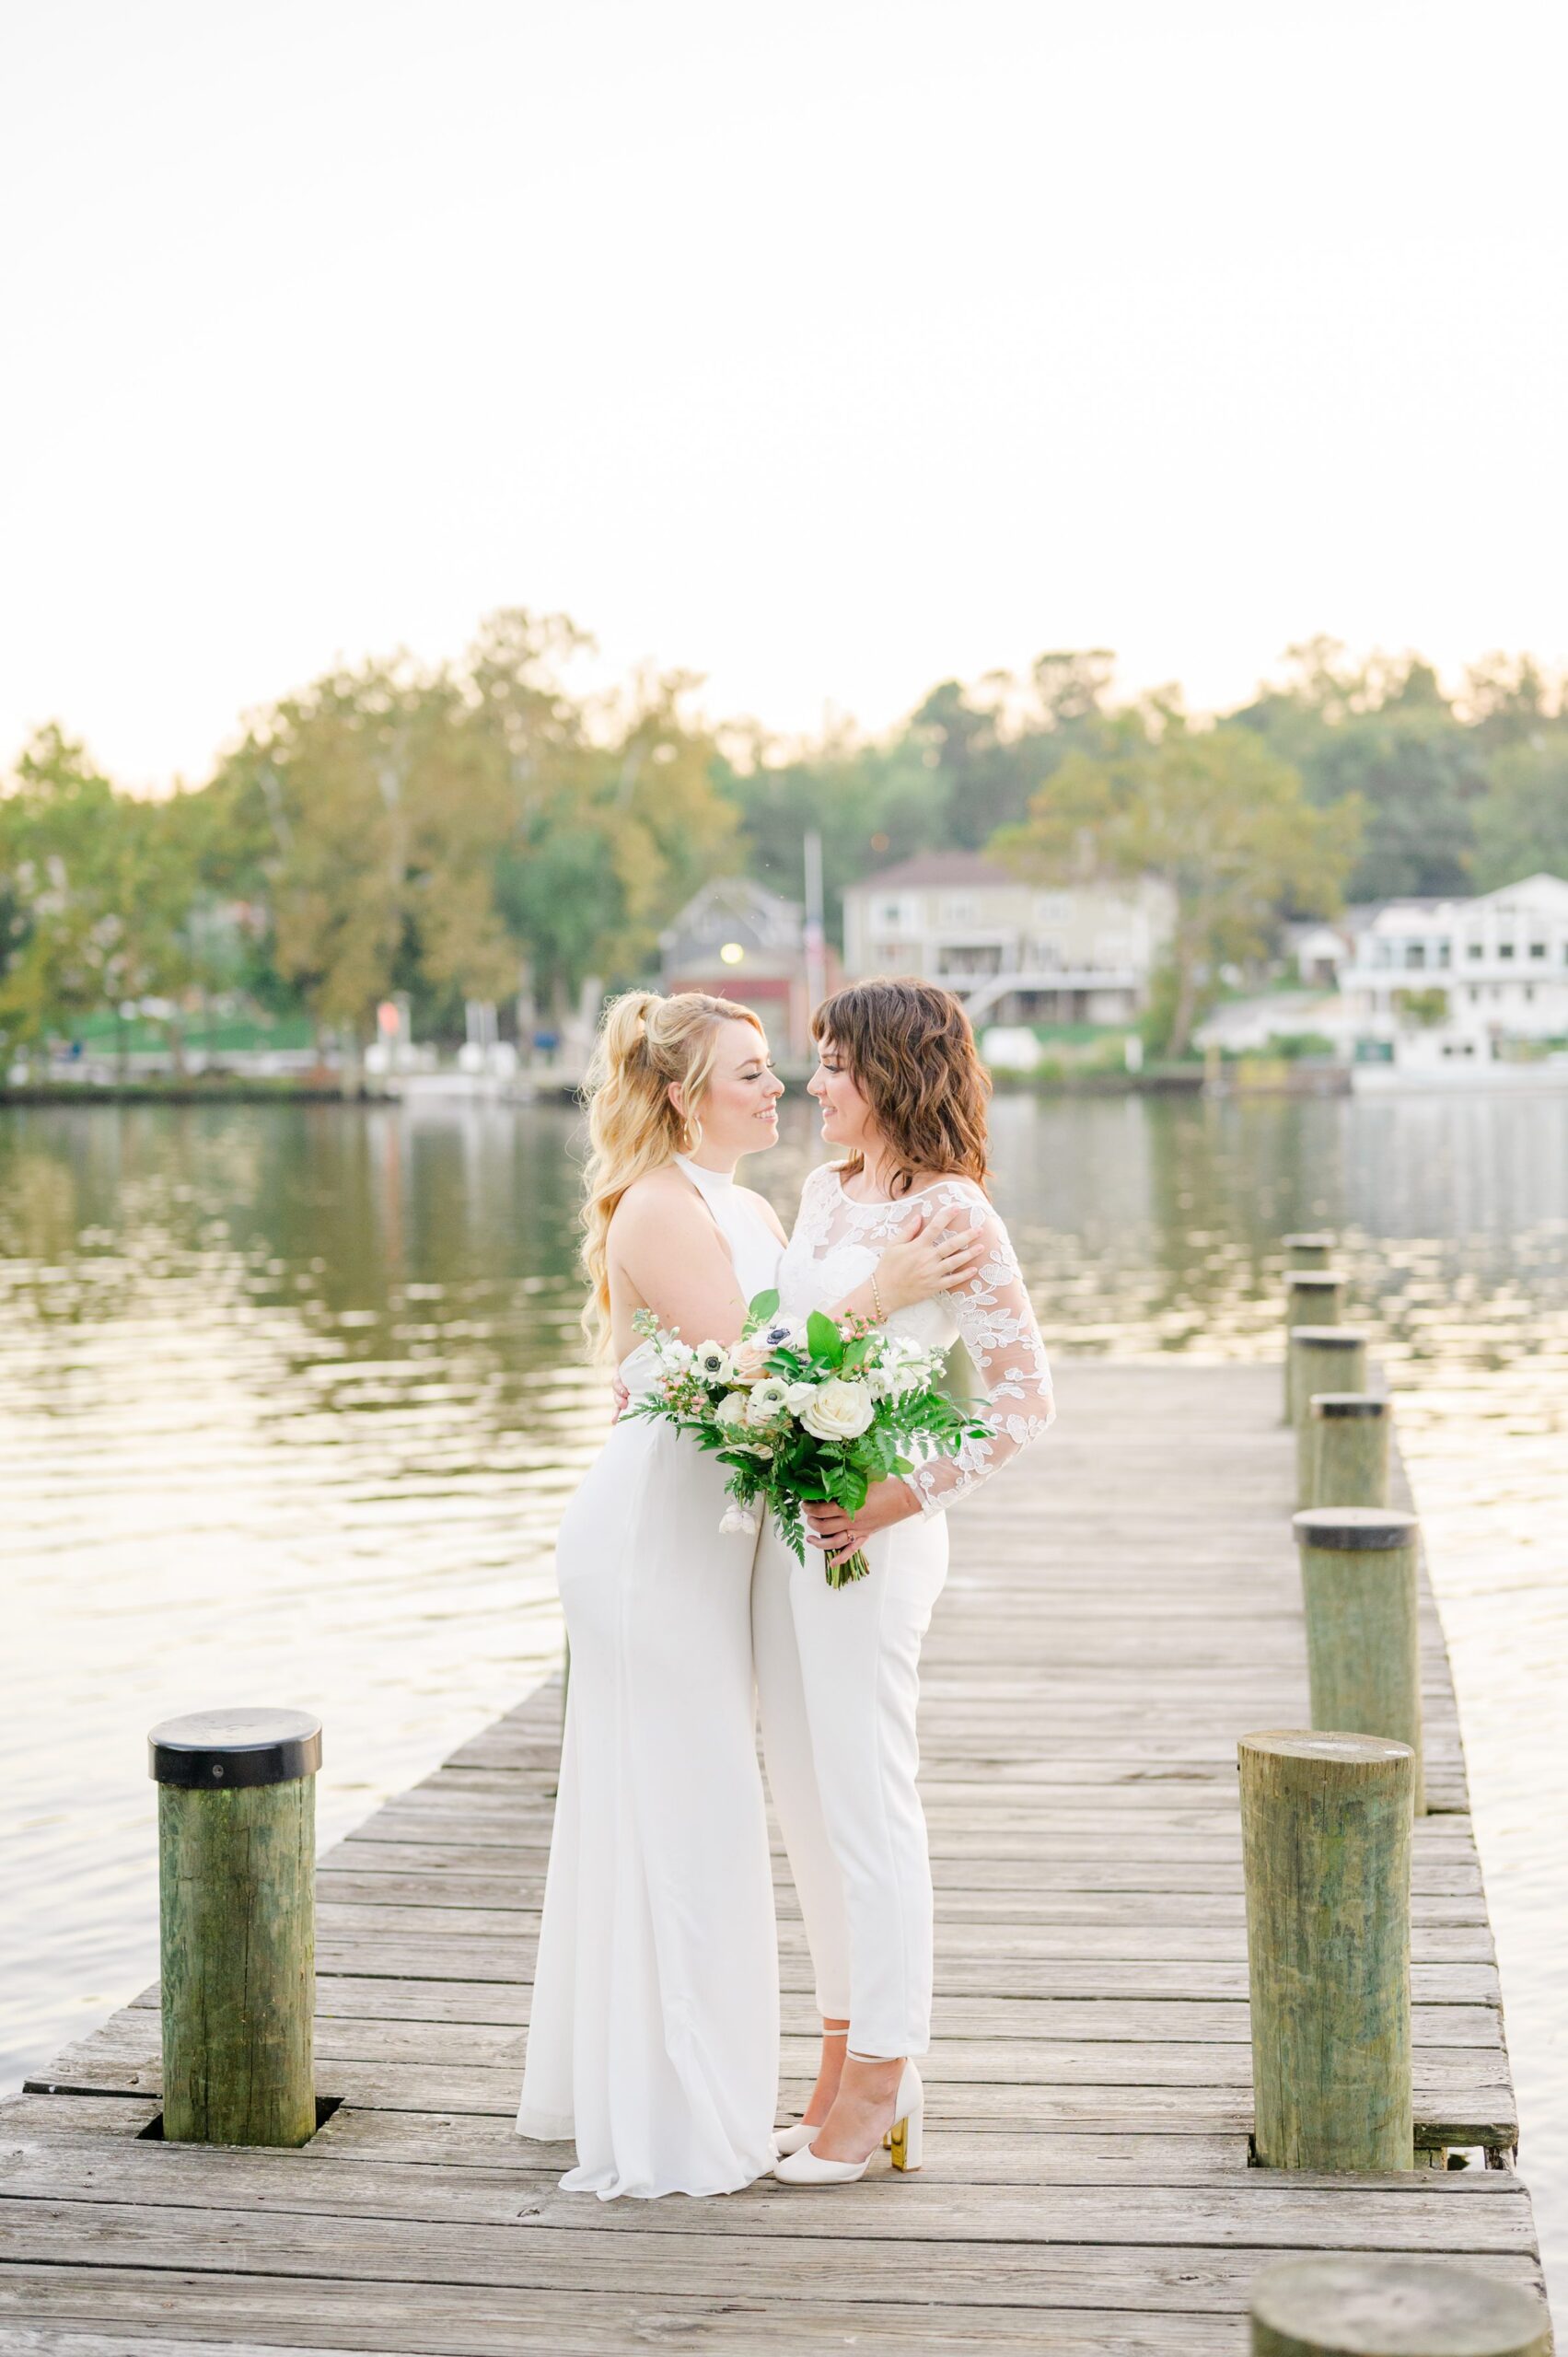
x=826, y=1342
x=98, y=893
x=1424, y=1008
x=871, y=803
x=777, y=1460
x=481, y=826
x=1381, y=731
x=1293, y=1045
x=1215, y=813
x=1417, y=777
x=1522, y=826
x=455, y=832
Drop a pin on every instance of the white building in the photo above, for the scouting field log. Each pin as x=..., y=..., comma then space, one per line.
x=1014, y=952
x=1468, y=974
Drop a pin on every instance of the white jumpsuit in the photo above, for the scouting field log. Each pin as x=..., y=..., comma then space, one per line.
x=838, y=1669
x=653, y=2034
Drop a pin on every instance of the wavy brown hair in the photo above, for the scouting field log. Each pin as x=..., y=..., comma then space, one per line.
x=911, y=1050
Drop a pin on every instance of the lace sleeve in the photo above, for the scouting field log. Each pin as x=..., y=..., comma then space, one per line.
x=996, y=1320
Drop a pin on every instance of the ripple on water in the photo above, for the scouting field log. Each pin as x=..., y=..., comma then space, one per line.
x=290, y=1399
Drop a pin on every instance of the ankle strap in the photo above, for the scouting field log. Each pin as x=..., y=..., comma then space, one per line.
x=836, y=2033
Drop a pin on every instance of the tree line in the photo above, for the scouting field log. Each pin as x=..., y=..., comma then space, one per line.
x=486, y=829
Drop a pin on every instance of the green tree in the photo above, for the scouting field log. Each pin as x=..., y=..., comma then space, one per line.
x=380, y=812
x=463, y=831
x=1216, y=814
x=991, y=746
x=98, y=897
x=1522, y=825
x=1508, y=697
x=871, y=805
x=1382, y=730
x=618, y=816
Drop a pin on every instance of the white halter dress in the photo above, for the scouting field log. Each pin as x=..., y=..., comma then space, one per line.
x=654, y=2036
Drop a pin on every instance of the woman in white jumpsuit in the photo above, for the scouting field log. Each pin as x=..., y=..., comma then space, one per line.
x=900, y=1086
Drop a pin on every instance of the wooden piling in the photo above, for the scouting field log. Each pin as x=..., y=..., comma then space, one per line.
x=1307, y=1251
x=1079, y=1775
x=237, y=1849
x=1348, y=1449
x=1343, y=2306
x=1358, y=1583
x=1313, y=1297
x=1322, y=1358
x=1326, y=1825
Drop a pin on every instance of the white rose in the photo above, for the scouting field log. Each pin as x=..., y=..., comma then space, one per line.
x=747, y=1359
x=798, y=1397
x=838, y=1410
x=731, y=1409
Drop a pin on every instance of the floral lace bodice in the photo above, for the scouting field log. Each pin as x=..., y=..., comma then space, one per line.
x=834, y=1247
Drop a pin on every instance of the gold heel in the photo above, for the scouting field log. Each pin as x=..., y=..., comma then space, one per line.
x=897, y=2142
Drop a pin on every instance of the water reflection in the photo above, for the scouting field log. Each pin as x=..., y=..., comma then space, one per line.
x=289, y=1398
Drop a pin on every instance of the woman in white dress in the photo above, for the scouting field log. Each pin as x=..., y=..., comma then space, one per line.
x=903, y=1093
x=653, y=2038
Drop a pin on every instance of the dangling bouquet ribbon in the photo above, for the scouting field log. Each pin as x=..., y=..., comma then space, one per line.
x=805, y=1415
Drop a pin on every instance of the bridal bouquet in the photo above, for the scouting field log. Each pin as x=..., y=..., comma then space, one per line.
x=804, y=1414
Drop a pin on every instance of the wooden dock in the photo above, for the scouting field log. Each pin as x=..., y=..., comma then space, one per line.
x=1123, y=1604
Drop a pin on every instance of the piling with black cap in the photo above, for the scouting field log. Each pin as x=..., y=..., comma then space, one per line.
x=237, y=1888
x=1358, y=1587
x=1313, y=1297
x=1348, y=1449
x=1340, y=2305
x=1322, y=1358
x=1308, y=1251
x=1326, y=1831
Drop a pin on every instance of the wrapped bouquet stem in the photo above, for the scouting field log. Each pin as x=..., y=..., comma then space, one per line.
x=805, y=1415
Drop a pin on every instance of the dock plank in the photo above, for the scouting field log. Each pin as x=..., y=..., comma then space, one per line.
x=1088, y=2189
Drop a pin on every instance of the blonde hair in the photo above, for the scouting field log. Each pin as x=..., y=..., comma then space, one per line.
x=645, y=1043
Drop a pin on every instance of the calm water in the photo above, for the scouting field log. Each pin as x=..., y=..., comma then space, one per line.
x=290, y=1397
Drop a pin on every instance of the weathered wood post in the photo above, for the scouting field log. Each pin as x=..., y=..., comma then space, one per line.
x=1307, y=1251
x=1322, y=1358
x=1326, y=1849
x=1348, y=1452
x=1313, y=1297
x=237, y=1867
x=1358, y=1585
x=1340, y=2305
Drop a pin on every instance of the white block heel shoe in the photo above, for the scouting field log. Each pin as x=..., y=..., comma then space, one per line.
x=803, y=2167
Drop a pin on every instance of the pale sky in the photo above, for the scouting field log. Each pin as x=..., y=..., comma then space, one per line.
x=826, y=349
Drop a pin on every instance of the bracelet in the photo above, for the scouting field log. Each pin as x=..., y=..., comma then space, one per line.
x=876, y=1300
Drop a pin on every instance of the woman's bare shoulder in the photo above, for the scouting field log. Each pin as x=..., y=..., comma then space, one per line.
x=654, y=1200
